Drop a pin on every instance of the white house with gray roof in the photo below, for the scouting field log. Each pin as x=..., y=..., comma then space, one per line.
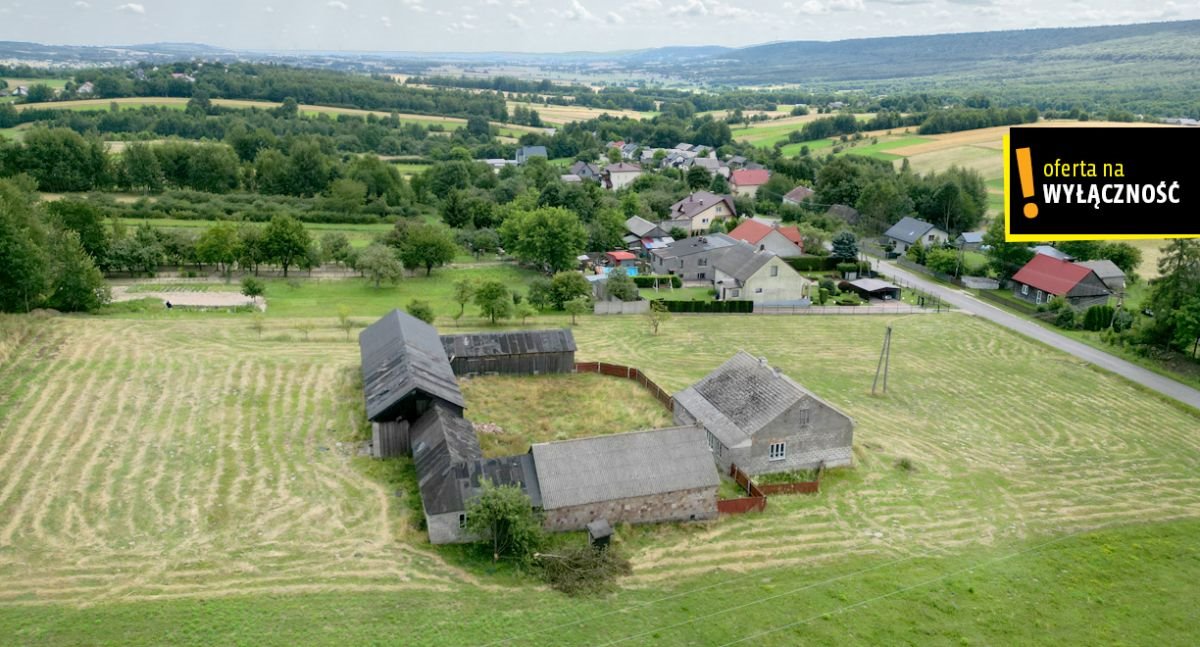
x=637, y=477
x=910, y=231
x=744, y=273
x=761, y=420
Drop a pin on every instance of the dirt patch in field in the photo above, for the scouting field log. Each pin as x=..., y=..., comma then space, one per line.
x=191, y=299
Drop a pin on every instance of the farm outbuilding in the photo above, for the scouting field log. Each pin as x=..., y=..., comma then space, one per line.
x=405, y=372
x=871, y=289
x=522, y=352
x=762, y=421
x=637, y=477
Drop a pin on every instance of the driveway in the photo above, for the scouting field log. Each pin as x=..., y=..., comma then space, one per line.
x=968, y=303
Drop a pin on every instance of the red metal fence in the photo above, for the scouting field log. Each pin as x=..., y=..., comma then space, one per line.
x=742, y=506
x=629, y=373
x=757, y=499
x=802, y=487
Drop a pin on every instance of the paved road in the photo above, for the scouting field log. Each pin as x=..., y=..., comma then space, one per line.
x=968, y=303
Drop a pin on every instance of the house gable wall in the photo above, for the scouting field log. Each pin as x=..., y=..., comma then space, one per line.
x=786, y=285
x=827, y=439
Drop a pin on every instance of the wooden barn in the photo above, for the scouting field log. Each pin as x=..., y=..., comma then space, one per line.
x=520, y=352
x=405, y=373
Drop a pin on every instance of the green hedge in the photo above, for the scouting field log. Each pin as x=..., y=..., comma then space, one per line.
x=812, y=263
x=710, y=307
x=647, y=280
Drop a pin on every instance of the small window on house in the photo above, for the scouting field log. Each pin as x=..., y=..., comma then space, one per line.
x=931, y=238
x=1039, y=296
x=462, y=520
x=720, y=209
x=1025, y=290
x=701, y=275
x=802, y=417
x=758, y=290
x=735, y=292
x=703, y=262
x=777, y=452
x=712, y=442
x=704, y=221
x=774, y=270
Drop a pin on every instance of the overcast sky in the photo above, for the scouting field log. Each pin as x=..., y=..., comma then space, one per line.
x=540, y=25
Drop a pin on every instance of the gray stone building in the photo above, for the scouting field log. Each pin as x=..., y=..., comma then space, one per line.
x=1044, y=277
x=637, y=477
x=764, y=422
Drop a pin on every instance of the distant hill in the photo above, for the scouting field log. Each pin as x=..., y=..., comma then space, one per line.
x=1008, y=54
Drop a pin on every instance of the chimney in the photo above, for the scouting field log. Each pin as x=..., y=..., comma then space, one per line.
x=762, y=361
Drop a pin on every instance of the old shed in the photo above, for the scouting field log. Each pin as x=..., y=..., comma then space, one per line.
x=637, y=477
x=521, y=352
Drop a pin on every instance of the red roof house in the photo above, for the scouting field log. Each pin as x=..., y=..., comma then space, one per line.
x=747, y=181
x=783, y=241
x=619, y=258
x=1044, y=277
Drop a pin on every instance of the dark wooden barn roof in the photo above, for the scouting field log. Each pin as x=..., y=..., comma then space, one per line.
x=519, y=342
x=444, y=445
x=402, y=354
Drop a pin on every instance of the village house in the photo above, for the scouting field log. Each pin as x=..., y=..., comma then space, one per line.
x=1044, y=277
x=621, y=175
x=969, y=240
x=1112, y=276
x=782, y=241
x=798, y=195
x=514, y=352
x=526, y=153
x=621, y=259
x=910, y=231
x=585, y=171
x=697, y=212
x=764, y=422
x=1052, y=252
x=644, y=235
x=637, y=477
x=743, y=273
x=691, y=259
x=85, y=88
x=745, y=181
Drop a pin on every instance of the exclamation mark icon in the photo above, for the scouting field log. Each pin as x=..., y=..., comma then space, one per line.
x=1025, y=170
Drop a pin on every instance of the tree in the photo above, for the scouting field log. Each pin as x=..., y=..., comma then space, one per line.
x=212, y=168
x=251, y=247
x=344, y=320
x=39, y=93
x=503, y=518
x=1004, y=258
x=882, y=204
x=421, y=310
x=719, y=184
x=23, y=262
x=621, y=286
x=335, y=248
x=698, y=177
x=566, y=286
x=549, y=237
x=345, y=195
x=464, y=291
x=657, y=315
x=87, y=220
x=845, y=246
x=427, y=246
x=541, y=293
x=494, y=300
x=140, y=168
x=613, y=155
x=258, y=323
x=286, y=241
x=219, y=244
x=379, y=263
x=523, y=311
x=253, y=287
x=76, y=284
x=578, y=306
x=1173, y=295
x=917, y=253
x=942, y=260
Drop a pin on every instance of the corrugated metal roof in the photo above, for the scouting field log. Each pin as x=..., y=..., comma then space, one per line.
x=516, y=470
x=402, y=354
x=516, y=342
x=1055, y=276
x=620, y=466
x=443, y=446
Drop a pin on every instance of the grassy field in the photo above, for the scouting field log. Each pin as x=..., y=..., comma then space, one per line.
x=573, y=406
x=558, y=115
x=178, y=479
x=766, y=133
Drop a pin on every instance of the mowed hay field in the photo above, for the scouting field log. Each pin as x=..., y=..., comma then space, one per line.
x=181, y=481
x=553, y=114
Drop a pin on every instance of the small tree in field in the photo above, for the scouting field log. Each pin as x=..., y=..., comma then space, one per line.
x=305, y=327
x=257, y=324
x=421, y=310
x=524, y=311
x=464, y=291
x=494, y=300
x=578, y=306
x=344, y=321
x=657, y=315
x=253, y=287
x=379, y=263
x=503, y=519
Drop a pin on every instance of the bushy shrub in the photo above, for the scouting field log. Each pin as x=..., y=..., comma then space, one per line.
x=1098, y=317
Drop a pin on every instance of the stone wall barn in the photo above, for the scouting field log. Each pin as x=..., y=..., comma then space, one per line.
x=764, y=422
x=522, y=352
x=637, y=477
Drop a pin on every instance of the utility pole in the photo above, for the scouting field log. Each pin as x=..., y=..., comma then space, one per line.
x=885, y=356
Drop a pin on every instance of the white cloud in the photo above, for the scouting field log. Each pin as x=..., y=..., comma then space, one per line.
x=268, y=9
x=82, y=5
x=132, y=7
x=516, y=21
x=492, y=3
x=715, y=8
x=460, y=26
x=692, y=8
x=579, y=12
x=415, y=5
x=337, y=4
x=387, y=22
x=821, y=7
x=614, y=18
x=517, y=4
